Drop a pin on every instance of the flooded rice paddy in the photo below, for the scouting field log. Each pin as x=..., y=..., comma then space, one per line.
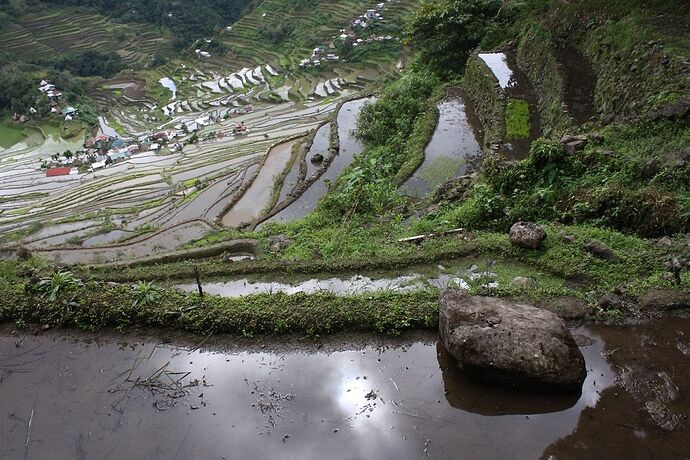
x=76, y=395
x=143, y=398
x=167, y=83
x=461, y=273
x=454, y=144
x=517, y=88
x=349, y=147
x=257, y=197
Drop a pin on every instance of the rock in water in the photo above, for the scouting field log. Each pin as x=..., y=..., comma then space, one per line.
x=511, y=344
x=527, y=235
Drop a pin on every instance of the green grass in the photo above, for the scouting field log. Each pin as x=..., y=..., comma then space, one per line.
x=517, y=119
x=10, y=135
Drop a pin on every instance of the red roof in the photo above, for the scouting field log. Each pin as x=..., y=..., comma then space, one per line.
x=52, y=172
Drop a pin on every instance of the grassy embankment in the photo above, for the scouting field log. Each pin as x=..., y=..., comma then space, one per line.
x=627, y=184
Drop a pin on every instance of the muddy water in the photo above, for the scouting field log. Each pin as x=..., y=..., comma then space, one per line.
x=258, y=196
x=645, y=415
x=75, y=396
x=349, y=147
x=454, y=143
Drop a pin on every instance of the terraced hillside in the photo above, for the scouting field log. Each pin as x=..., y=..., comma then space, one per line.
x=310, y=27
x=62, y=30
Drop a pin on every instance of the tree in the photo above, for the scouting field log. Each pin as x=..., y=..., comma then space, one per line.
x=445, y=32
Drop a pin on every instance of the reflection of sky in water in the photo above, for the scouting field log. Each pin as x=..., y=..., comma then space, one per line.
x=344, y=286
x=72, y=379
x=498, y=63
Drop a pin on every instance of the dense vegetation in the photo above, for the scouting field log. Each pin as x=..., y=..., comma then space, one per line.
x=90, y=63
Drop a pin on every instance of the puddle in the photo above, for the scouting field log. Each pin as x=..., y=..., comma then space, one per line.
x=379, y=398
x=349, y=147
x=258, y=196
x=452, y=146
x=653, y=375
x=167, y=82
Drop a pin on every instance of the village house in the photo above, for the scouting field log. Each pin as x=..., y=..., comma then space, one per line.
x=202, y=54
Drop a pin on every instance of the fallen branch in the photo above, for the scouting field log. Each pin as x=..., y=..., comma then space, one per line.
x=420, y=238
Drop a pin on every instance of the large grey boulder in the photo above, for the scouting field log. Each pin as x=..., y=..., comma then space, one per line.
x=508, y=343
x=527, y=235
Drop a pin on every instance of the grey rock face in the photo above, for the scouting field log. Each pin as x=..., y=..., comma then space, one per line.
x=511, y=344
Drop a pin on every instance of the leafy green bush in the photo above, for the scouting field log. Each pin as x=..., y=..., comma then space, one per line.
x=57, y=284
x=146, y=293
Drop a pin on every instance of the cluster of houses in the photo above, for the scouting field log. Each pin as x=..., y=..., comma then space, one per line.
x=202, y=54
x=102, y=151
x=350, y=35
x=53, y=96
x=364, y=21
x=318, y=55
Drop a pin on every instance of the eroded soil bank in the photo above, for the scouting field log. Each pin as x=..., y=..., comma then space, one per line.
x=74, y=395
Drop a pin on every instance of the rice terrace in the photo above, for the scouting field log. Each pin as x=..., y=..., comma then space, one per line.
x=299, y=229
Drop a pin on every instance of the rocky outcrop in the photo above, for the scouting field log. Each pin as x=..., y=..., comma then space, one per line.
x=527, y=235
x=568, y=308
x=511, y=344
x=522, y=282
x=664, y=299
x=278, y=243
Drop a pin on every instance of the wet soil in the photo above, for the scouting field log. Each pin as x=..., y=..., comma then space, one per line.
x=579, y=84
